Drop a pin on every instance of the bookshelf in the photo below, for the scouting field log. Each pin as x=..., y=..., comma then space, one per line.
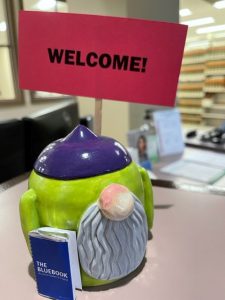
x=201, y=89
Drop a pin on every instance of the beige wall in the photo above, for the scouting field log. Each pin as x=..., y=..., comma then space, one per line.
x=18, y=111
x=117, y=8
x=6, y=81
x=115, y=119
x=161, y=10
x=115, y=116
x=118, y=117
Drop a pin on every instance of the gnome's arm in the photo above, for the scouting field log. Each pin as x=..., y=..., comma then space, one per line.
x=28, y=213
x=148, y=201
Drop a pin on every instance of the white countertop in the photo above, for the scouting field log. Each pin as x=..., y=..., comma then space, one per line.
x=185, y=259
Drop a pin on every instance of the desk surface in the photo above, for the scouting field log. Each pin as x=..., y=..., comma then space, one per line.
x=185, y=259
x=185, y=183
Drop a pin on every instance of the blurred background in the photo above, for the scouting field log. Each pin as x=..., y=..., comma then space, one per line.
x=197, y=122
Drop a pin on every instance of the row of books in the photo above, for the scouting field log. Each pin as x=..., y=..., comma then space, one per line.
x=198, y=56
x=212, y=84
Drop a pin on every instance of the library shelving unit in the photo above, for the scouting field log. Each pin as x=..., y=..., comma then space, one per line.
x=201, y=90
x=191, y=86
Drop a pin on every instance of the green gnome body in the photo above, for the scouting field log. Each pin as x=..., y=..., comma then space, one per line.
x=89, y=184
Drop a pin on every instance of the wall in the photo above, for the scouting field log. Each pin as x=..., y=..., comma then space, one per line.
x=119, y=117
x=6, y=81
x=116, y=8
x=161, y=10
x=18, y=111
x=115, y=116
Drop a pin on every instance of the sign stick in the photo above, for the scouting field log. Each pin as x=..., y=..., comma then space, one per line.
x=98, y=116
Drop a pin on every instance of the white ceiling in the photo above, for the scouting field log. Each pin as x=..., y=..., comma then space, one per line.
x=202, y=9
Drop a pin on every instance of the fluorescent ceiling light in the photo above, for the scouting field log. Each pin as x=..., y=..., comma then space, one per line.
x=193, y=39
x=184, y=12
x=219, y=35
x=199, y=22
x=210, y=29
x=46, y=4
x=3, y=26
x=219, y=4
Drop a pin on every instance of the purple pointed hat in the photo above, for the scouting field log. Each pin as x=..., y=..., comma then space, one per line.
x=81, y=154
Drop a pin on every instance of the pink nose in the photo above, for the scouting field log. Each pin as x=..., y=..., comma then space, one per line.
x=110, y=193
x=116, y=202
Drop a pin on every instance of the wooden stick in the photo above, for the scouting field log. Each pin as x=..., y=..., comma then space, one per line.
x=98, y=116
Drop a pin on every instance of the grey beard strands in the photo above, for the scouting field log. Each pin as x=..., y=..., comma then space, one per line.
x=112, y=249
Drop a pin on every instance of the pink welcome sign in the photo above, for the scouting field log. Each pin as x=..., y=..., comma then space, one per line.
x=103, y=57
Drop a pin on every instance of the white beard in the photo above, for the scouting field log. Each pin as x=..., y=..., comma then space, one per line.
x=112, y=249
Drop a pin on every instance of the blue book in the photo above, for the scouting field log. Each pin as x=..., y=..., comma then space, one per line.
x=55, y=260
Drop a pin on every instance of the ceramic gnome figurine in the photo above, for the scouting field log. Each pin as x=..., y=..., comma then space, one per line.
x=89, y=184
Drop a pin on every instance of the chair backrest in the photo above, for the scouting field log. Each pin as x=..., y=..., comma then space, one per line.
x=47, y=126
x=12, y=149
x=87, y=121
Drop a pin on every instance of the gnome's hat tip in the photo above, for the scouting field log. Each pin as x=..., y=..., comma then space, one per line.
x=80, y=134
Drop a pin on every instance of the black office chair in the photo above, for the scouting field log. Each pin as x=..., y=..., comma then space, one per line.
x=12, y=149
x=46, y=126
x=87, y=121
